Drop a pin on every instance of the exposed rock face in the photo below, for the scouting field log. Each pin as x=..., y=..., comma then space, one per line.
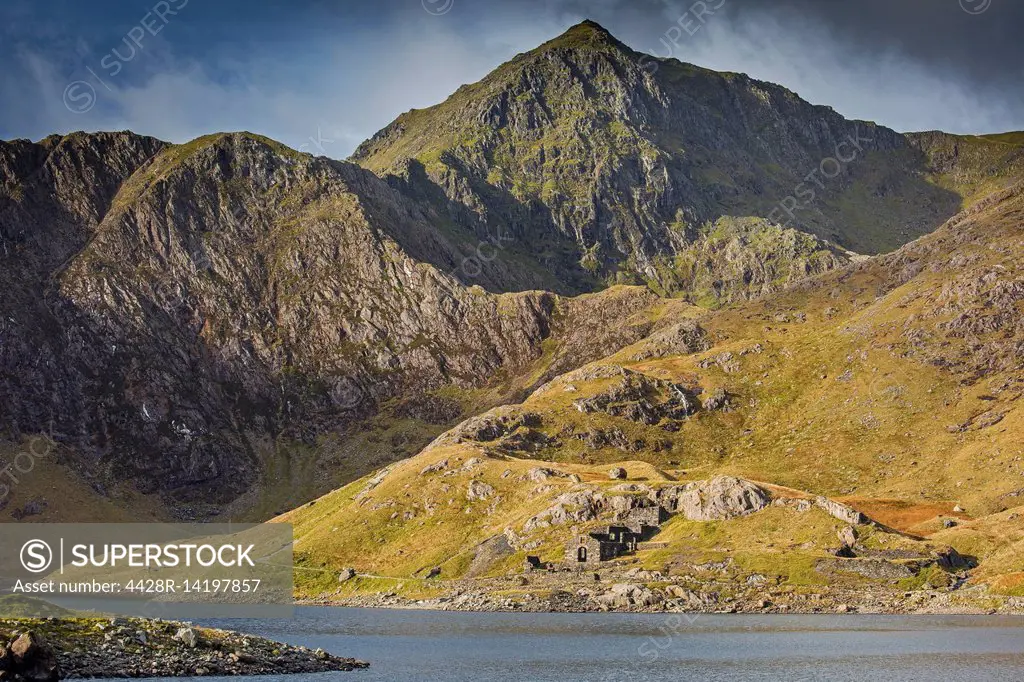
x=682, y=338
x=488, y=553
x=716, y=401
x=175, y=314
x=575, y=507
x=491, y=427
x=841, y=511
x=550, y=147
x=647, y=400
x=167, y=310
x=720, y=499
x=848, y=536
x=949, y=559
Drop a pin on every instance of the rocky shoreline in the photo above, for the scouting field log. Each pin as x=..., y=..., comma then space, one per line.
x=639, y=591
x=922, y=604
x=51, y=649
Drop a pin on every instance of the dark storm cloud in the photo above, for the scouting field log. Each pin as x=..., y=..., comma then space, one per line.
x=977, y=39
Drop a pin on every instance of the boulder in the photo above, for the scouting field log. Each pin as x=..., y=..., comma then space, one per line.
x=539, y=474
x=949, y=559
x=187, y=636
x=346, y=574
x=625, y=594
x=575, y=507
x=488, y=553
x=841, y=511
x=32, y=659
x=721, y=498
x=377, y=479
x=435, y=467
x=617, y=474
x=716, y=401
x=33, y=507
x=848, y=536
x=478, y=490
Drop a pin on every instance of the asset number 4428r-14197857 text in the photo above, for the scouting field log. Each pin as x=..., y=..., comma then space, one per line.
x=206, y=586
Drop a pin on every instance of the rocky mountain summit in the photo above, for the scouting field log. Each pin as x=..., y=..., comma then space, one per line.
x=613, y=166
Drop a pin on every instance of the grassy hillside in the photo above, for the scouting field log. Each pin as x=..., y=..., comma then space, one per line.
x=44, y=488
x=892, y=385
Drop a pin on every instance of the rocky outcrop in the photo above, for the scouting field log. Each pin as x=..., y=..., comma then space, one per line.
x=719, y=499
x=575, y=507
x=644, y=399
x=29, y=658
x=682, y=338
x=948, y=559
x=636, y=397
x=478, y=490
x=488, y=553
x=440, y=465
x=847, y=536
x=843, y=512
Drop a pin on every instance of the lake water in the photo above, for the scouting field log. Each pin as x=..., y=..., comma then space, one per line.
x=425, y=646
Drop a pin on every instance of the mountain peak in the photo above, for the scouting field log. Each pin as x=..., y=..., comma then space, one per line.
x=589, y=25
x=587, y=32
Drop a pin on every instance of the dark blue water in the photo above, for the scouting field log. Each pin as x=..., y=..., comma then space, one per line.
x=425, y=646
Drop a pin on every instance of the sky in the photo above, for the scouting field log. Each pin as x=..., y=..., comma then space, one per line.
x=323, y=75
